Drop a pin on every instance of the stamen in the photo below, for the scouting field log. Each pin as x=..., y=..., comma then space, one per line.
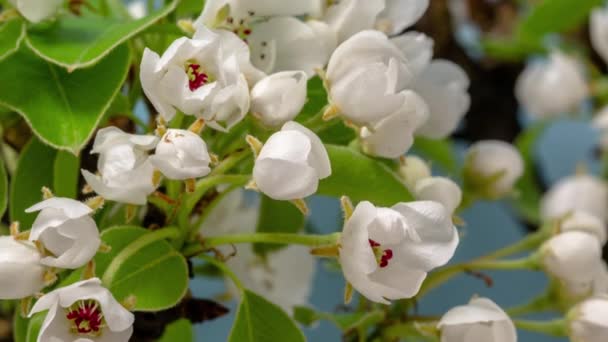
x=196, y=77
x=382, y=255
x=87, y=318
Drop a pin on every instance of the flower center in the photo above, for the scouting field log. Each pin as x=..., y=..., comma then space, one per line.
x=382, y=255
x=196, y=76
x=240, y=26
x=86, y=318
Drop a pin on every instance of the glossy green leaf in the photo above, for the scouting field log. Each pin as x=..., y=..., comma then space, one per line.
x=62, y=108
x=144, y=268
x=66, y=172
x=344, y=321
x=12, y=33
x=258, y=320
x=33, y=327
x=178, y=331
x=81, y=41
x=3, y=188
x=20, y=325
x=555, y=16
x=190, y=8
x=362, y=178
x=34, y=170
x=316, y=99
x=440, y=152
x=277, y=217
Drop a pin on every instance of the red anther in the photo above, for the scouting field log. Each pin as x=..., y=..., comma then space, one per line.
x=388, y=254
x=373, y=243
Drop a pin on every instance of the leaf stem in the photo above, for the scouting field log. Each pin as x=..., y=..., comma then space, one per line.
x=229, y=162
x=277, y=238
x=237, y=282
x=555, y=327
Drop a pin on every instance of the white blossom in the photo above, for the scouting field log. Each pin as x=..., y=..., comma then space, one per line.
x=367, y=76
x=585, y=222
x=65, y=228
x=83, y=311
x=588, y=321
x=577, y=192
x=598, y=31
x=444, y=86
x=279, y=98
x=21, y=273
x=551, y=88
x=398, y=15
x=417, y=48
x=126, y=171
x=241, y=13
x=386, y=253
x=348, y=17
x=291, y=163
x=480, y=320
x=37, y=10
x=203, y=76
x=439, y=189
x=493, y=167
x=393, y=136
x=414, y=169
x=181, y=154
x=572, y=257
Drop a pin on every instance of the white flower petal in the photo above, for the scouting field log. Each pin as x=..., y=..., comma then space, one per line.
x=578, y=192
x=598, y=31
x=572, y=256
x=398, y=15
x=351, y=16
x=21, y=274
x=318, y=157
x=36, y=10
x=279, y=98
x=417, y=48
x=439, y=189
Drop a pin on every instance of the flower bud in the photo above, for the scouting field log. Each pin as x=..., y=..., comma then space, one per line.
x=291, y=163
x=278, y=98
x=598, y=31
x=582, y=221
x=492, y=168
x=552, y=88
x=181, y=154
x=37, y=10
x=21, y=274
x=65, y=228
x=588, y=321
x=577, y=192
x=413, y=169
x=439, y=189
x=480, y=320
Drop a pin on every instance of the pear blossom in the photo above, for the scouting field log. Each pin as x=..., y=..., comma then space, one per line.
x=551, y=88
x=577, y=192
x=439, y=189
x=392, y=136
x=367, y=75
x=65, y=228
x=83, y=311
x=181, y=154
x=413, y=169
x=572, y=257
x=279, y=98
x=203, y=76
x=398, y=15
x=492, y=167
x=588, y=321
x=21, y=273
x=585, y=222
x=348, y=17
x=598, y=31
x=126, y=171
x=443, y=85
x=37, y=10
x=417, y=48
x=386, y=253
x=480, y=320
x=291, y=163
x=598, y=285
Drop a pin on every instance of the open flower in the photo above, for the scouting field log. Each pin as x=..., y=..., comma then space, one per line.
x=551, y=88
x=65, y=228
x=84, y=311
x=386, y=253
x=492, y=168
x=588, y=321
x=480, y=320
x=126, y=171
x=201, y=77
x=439, y=189
x=367, y=76
x=577, y=192
x=398, y=15
x=278, y=98
x=37, y=10
x=291, y=163
x=181, y=154
x=21, y=273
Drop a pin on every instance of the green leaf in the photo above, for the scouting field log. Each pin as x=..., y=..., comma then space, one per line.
x=12, y=33
x=20, y=325
x=258, y=320
x=180, y=330
x=81, y=41
x=62, y=108
x=66, y=172
x=316, y=99
x=34, y=170
x=344, y=321
x=3, y=188
x=277, y=217
x=362, y=178
x=33, y=327
x=140, y=265
x=556, y=16
x=438, y=151
x=190, y=8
